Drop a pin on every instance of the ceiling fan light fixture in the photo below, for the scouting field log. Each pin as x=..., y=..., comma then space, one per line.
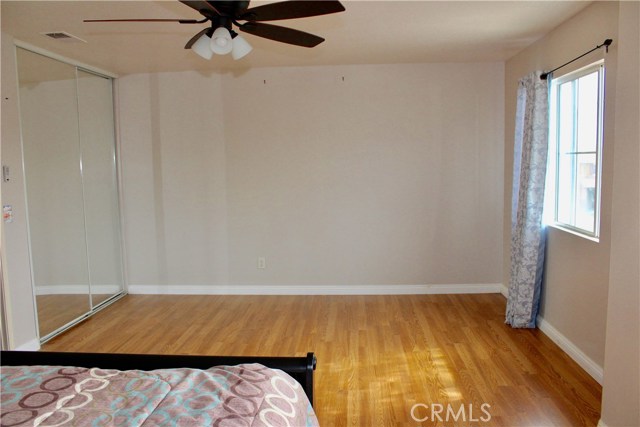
x=240, y=48
x=221, y=42
x=203, y=47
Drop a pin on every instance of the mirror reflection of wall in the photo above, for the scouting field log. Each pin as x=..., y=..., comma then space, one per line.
x=102, y=217
x=72, y=195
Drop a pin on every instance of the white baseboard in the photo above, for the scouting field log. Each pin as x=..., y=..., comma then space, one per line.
x=480, y=288
x=77, y=289
x=601, y=423
x=33, y=345
x=504, y=290
x=591, y=367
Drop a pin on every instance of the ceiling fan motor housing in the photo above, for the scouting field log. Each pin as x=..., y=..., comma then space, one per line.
x=229, y=8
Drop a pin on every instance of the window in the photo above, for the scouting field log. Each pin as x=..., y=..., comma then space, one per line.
x=575, y=144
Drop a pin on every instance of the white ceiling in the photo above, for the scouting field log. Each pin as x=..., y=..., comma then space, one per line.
x=368, y=32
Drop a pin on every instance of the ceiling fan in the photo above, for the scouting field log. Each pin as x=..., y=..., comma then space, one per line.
x=220, y=38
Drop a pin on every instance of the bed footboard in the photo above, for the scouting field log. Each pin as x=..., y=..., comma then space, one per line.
x=300, y=368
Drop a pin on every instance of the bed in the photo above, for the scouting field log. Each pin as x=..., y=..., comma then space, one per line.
x=98, y=389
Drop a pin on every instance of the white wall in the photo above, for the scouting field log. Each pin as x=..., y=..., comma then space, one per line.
x=621, y=392
x=576, y=276
x=385, y=174
x=173, y=171
x=390, y=176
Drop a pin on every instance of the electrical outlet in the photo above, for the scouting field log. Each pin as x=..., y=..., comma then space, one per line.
x=262, y=262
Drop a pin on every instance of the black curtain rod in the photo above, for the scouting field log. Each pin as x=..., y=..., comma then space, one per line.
x=606, y=43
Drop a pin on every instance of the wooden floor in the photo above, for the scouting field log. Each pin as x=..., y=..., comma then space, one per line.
x=378, y=356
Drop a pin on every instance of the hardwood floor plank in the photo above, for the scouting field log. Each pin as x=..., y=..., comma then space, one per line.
x=377, y=355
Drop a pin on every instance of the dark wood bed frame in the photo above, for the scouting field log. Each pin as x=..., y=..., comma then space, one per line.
x=300, y=368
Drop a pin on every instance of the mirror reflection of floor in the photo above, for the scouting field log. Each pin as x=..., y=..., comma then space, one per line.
x=55, y=311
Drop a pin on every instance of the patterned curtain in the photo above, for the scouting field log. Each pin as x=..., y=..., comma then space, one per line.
x=527, y=231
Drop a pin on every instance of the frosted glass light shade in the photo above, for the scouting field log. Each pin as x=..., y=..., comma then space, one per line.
x=240, y=47
x=221, y=43
x=202, y=47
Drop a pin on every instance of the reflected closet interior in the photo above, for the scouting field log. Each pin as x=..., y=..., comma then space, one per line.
x=69, y=155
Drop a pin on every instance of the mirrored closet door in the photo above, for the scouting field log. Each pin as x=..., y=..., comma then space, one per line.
x=69, y=160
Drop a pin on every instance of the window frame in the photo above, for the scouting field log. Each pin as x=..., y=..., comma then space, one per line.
x=555, y=149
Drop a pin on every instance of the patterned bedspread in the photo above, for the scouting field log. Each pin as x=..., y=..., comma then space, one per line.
x=243, y=395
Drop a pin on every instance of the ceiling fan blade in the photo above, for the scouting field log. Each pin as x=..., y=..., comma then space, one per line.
x=195, y=38
x=291, y=10
x=281, y=34
x=201, y=5
x=182, y=21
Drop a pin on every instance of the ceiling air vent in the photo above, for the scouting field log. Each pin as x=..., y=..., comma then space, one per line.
x=63, y=36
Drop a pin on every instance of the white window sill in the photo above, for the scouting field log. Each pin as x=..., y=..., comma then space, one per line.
x=574, y=232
